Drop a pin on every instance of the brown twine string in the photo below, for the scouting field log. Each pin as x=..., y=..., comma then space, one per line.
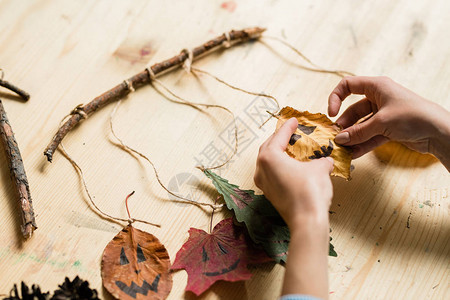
x=227, y=43
x=196, y=106
x=273, y=115
x=187, y=65
x=212, y=215
x=79, y=110
x=132, y=150
x=129, y=85
x=188, y=62
x=316, y=68
x=97, y=210
x=196, y=70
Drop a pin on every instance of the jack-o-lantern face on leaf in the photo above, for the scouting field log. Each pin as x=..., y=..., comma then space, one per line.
x=223, y=254
x=135, y=265
x=314, y=139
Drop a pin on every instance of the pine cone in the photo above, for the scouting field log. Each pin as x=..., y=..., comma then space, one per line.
x=74, y=290
x=34, y=294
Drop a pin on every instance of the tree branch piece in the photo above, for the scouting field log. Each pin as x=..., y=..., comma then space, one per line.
x=25, y=96
x=18, y=175
x=121, y=90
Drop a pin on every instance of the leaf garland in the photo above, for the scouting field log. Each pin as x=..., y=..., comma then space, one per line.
x=223, y=254
x=314, y=138
x=135, y=265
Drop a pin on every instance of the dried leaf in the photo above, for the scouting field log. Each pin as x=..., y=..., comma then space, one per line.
x=136, y=265
x=314, y=139
x=224, y=254
x=264, y=225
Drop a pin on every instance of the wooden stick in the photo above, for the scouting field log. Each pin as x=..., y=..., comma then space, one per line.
x=18, y=175
x=121, y=90
x=25, y=96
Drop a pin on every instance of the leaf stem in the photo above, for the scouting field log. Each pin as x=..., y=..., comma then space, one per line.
x=126, y=203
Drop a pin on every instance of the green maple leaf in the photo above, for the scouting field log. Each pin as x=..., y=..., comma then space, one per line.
x=264, y=225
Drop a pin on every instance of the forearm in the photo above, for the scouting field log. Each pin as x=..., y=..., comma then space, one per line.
x=307, y=262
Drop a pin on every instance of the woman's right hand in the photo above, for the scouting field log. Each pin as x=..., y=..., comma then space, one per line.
x=398, y=114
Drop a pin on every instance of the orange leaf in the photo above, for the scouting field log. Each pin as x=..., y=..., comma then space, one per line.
x=135, y=265
x=314, y=138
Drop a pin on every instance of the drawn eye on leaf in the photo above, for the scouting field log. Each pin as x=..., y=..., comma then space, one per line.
x=314, y=139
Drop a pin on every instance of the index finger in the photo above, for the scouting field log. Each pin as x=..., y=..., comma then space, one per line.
x=362, y=85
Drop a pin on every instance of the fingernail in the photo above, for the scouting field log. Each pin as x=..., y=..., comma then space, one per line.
x=342, y=138
x=330, y=160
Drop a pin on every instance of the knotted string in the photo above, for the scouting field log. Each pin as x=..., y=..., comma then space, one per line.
x=187, y=65
x=79, y=110
x=129, y=85
x=227, y=43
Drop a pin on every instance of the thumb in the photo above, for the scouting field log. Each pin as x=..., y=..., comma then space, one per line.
x=280, y=139
x=359, y=133
x=325, y=163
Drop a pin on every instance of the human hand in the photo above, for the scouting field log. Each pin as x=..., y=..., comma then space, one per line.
x=398, y=114
x=298, y=190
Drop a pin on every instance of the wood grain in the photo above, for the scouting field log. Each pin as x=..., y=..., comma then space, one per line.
x=67, y=52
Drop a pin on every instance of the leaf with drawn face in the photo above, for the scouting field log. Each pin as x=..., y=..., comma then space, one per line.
x=223, y=254
x=314, y=139
x=135, y=265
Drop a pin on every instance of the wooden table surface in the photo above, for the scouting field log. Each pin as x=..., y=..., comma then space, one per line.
x=390, y=225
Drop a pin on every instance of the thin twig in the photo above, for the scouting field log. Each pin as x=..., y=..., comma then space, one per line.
x=143, y=78
x=18, y=175
x=7, y=85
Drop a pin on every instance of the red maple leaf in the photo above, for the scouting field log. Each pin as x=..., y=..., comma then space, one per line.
x=223, y=254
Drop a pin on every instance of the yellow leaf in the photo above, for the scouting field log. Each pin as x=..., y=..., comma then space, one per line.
x=314, y=138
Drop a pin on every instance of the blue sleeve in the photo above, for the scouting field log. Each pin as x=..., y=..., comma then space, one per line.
x=298, y=297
